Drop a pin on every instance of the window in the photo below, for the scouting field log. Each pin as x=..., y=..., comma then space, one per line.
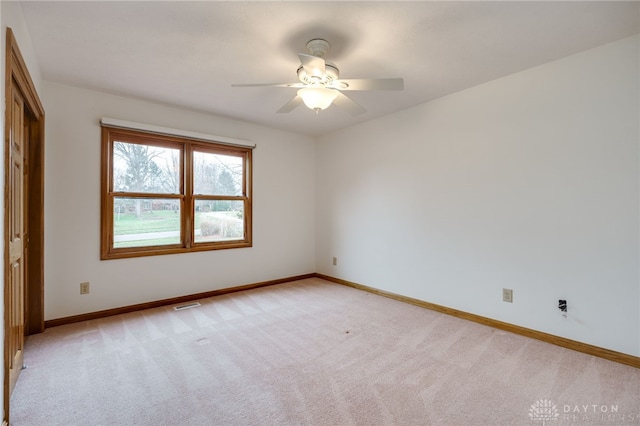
x=168, y=194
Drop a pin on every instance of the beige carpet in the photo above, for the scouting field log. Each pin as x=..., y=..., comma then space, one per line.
x=311, y=353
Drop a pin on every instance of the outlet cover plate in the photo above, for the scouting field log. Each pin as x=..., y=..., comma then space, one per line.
x=507, y=295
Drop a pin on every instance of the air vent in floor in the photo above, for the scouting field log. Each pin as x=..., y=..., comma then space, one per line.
x=187, y=306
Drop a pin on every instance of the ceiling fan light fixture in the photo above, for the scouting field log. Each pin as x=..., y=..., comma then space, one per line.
x=317, y=98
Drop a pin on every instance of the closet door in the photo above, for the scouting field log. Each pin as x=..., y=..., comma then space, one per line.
x=17, y=238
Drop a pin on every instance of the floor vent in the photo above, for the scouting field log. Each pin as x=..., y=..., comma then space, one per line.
x=187, y=306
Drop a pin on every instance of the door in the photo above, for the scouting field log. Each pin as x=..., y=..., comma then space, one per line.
x=23, y=215
x=17, y=241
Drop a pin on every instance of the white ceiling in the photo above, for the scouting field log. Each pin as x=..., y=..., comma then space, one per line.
x=189, y=53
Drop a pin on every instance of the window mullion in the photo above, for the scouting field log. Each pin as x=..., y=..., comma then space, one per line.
x=188, y=221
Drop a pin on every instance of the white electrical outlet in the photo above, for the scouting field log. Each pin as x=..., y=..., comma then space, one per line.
x=85, y=288
x=335, y=261
x=507, y=295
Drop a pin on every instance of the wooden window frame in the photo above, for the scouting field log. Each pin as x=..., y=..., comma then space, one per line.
x=185, y=193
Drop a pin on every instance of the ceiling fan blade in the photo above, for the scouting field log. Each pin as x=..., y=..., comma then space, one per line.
x=313, y=65
x=369, y=84
x=348, y=104
x=291, y=105
x=269, y=85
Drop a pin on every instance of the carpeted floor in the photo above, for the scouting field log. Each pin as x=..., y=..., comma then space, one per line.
x=311, y=353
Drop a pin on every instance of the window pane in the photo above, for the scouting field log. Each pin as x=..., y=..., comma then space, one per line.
x=140, y=222
x=219, y=220
x=217, y=174
x=145, y=168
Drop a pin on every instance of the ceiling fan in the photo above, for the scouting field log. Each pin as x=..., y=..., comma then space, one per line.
x=320, y=86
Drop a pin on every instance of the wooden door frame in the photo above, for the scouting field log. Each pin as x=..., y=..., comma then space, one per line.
x=17, y=77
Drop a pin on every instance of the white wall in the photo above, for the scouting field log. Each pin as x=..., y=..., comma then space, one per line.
x=283, y=209
x=529, y=182
x=11, y=16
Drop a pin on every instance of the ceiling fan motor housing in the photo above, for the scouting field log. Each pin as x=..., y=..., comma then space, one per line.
x=330, y=75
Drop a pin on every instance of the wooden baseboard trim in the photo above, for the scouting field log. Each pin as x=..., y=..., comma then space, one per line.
x=608, y=354
x=165, y=302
